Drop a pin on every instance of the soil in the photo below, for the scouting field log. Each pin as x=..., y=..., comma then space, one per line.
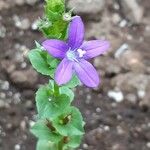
x=110, y=124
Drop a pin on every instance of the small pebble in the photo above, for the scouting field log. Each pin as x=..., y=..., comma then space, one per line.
x=2, y=31
x=23, y=65
x=87, y=101
x=141, y=93
x=21, y=23
x=17, y=97
x=17, y=147
x=23, y=125
x=31, y=123
x=4, y=104
x=123, y=23
x=148, y=144
x=4, y=85
x=116, y=95
x=2, y=95
x=89, y=97
x=106, y=128
x=131, y=98
x=85, y=146
x=31, y=2
x=28, y=105
x=98, y=109
x=34, y=25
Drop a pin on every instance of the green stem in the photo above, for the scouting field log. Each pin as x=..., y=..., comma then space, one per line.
x=60, y=145
x=56, y=89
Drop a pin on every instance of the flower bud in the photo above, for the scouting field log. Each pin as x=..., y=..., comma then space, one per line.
x=67, y=16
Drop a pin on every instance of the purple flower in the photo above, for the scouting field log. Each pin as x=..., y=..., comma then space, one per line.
x=74, y=55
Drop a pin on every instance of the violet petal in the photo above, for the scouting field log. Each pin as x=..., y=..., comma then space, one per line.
x=95, y=48
x=86, y=73
x=56, y=48
x=63, y=72
x=76, y=33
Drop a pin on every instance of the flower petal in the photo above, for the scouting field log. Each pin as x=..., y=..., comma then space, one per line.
x=64, y=72
x=86, y=73
x=76, y=33
x=55, y=48
x=95, y=48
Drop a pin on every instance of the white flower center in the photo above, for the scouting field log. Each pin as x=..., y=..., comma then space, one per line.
x=81, y=53
x=75, y=55
x=70, y=54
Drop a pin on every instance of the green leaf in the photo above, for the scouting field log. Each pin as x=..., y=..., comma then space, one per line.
x=67, y=91
x=57, y=27
x=38, y=45
x=42, y=97
x=49, y=105
x=41, y=131
x=40, y=60
x=44, y=23
x=45, y=145
x=58, y=30
x=55, y=6
x=52, y=61
x=74, y=142
x=73, y=82
x=63, y=90
x=56, y=106
x=73, y=127
x=53, y=16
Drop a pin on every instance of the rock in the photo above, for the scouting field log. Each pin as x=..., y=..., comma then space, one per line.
x=90, y=8
x=145, y=102
x=132, y=98
x=132, y=10
x=121, y=50
x=116, y=18
x=123, y=23
x=132, y=60
x=17, y=98
x=31, y=2
x=17, y=147
x=28, y=94
x=118, y=146
x=34, y=25
x=24, y=78
x=8, y=66
x=21, y=23
x=23, y=125
x=148, y=144
x=2, y=31
x=4, y=85
x=6, y=4
x=29, y=105
x=3, y=5
x=20, y=2
x=21, y=52
x=2, y=95
x=94, y=136
x=3, y=104
x=116, y=95
x=131, y=82
x=85, y=146
x=110, y=67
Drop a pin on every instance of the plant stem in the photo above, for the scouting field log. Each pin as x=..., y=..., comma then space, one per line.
x=60, y=145
x=56, y=89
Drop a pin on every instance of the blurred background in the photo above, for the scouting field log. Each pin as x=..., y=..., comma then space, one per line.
x=117, y=114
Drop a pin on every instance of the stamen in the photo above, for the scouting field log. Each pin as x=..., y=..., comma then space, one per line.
x=81, y=52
